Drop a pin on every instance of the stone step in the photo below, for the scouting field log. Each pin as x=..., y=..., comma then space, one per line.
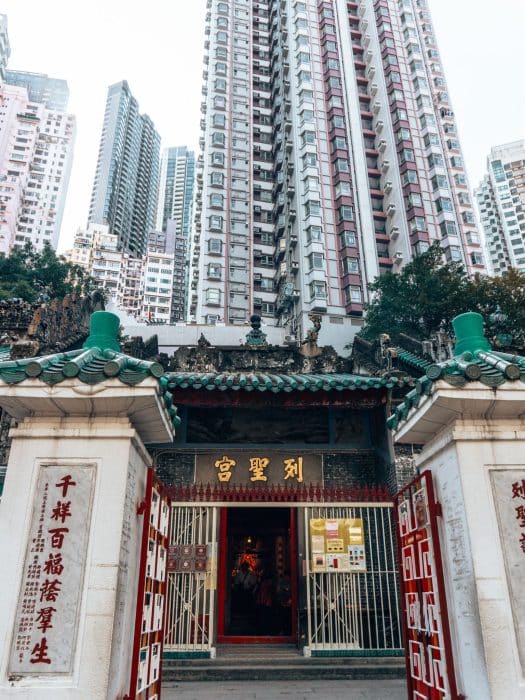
x=265, y=664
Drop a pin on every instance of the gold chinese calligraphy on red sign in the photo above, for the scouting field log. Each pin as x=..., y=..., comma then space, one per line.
x=258, y=467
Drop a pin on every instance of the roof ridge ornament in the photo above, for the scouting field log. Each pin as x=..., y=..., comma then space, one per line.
x=256, y=338
x=468, y=329
x=103, y=331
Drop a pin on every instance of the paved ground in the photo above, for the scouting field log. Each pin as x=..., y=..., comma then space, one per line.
x=281, y=690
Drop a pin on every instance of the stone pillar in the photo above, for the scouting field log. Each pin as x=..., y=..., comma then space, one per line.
x=474, y=445
x=70, y=532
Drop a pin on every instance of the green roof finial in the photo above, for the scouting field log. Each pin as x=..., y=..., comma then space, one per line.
x=468, y=329
x=103, y=331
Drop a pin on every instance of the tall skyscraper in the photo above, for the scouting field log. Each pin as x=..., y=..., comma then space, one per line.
x=175, y=216
x=501, y=203
x=127, y=175
x=53, y=93
x=330, y=156
x=5, y=48
x=36, y=153
x=177, y=179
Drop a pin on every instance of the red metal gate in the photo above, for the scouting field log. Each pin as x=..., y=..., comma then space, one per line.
x=428, y=647
x=146, y=664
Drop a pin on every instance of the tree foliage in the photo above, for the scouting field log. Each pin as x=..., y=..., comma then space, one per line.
x=428, y=293
x=31, y=275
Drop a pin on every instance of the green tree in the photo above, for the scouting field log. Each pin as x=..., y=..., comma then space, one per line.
x=428, y=293
x=30, y=274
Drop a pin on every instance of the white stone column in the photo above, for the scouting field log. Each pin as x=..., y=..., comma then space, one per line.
x=474, y=445
x=93, y=434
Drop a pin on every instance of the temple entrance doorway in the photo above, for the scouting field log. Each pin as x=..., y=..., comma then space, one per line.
x=257, y=575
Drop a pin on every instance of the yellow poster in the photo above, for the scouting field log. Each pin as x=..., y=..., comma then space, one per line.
x=337, y=545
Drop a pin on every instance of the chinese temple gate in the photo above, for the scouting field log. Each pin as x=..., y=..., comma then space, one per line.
x=284, y=480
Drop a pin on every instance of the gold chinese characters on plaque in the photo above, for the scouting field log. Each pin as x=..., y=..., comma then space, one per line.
x=337, y=545
x=258, y=468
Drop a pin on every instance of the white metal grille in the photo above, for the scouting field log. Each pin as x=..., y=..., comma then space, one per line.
x=358, y=610
x=190, y=594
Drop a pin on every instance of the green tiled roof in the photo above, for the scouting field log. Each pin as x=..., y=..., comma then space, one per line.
x=276, y=383
x=90, y=365
x=482, y=365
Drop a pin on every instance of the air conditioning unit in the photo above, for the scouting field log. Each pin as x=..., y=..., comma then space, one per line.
x=387, y=187
x=385, y=165
x=376, y=107
x=379, y=126
x=366, y=40
x=398, y=257
x=382, y=145
x=391, y=209
x=393, y=233
x=374, y=88
x=290, y=339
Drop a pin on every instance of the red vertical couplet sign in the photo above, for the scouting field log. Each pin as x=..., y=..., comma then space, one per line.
x=430, y=666
x=149, y=622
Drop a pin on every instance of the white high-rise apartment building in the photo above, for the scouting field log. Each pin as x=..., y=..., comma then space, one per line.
x=142, y=287
x=501, y=203
x=330, y=155
x=5, y=48
x=36, y=152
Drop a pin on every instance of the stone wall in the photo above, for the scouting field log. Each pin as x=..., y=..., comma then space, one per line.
x=38, y=329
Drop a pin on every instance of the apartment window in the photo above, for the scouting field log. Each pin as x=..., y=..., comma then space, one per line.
x=431, y=139
x=456, y=162
x=348, y=238
x=343, y=189
x=460, y=179
x=418, y=224
x=316, y=261
x=219, y=120
x=414, y=200
x=217, y=158
x=218, y=139
x=464, y=199
x=410, y=177
x=222, y=8
x=214, y=271
x=219, y=102
x=213, y=296
x=222, y=37
x=407, y=155
x=330, y=46
x=220, y=68
x=444, y=204
x=312, y=207
x=341, y=165
x=318, y=290
x=214, y=246
x=427, y=120
x=216, y=200
x=338, y=143
x=337, y=122
x=266, y=284
x=439, y=182
x=353, y=295
x=220, y=84
x=314, y=233
x=335, y=101
x=311, y=184
x=333, y=64
x=403, y=134
x=267, y=308
x=350, y=266
x=217, y=179
x=400, y=115
x=334, y=82
x=216, y=222
x=308, y=137
x=435, y=160
x=448, y=228
x=477, y=258
x=346, y=213
x=309, y=159
x=468, y=217
x=222, y=23
x=303, y=57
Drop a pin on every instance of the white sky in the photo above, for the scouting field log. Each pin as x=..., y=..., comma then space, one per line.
x=157, y=47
